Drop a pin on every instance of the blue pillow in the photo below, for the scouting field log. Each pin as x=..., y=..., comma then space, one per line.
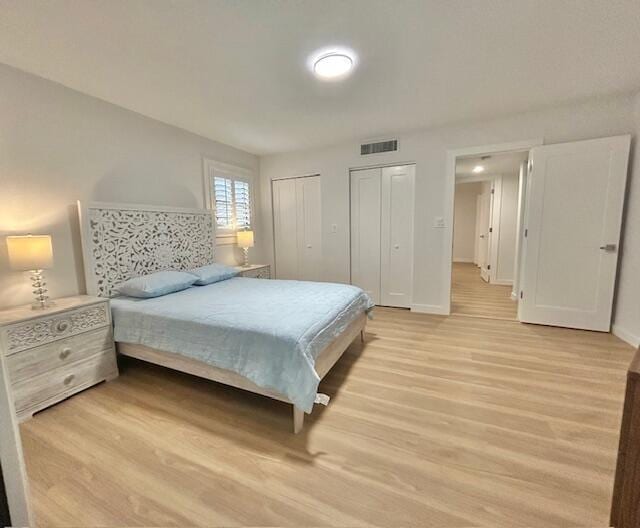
x=156, y=284
x=213, y=273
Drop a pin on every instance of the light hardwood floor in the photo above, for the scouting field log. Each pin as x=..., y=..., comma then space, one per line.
x=434, y=421
x=470, y=295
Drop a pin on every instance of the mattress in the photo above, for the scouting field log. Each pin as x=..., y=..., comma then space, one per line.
x=269, y=331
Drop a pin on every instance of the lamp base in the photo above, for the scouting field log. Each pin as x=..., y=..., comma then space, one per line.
x=246, y=257
x=40, y=291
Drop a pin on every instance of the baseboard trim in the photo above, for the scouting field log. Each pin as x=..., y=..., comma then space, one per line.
x=502, y=282
x=464, y=260
x=625, y=335
x=434, y=309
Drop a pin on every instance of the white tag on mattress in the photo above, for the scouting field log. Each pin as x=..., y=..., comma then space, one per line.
x=322, y=399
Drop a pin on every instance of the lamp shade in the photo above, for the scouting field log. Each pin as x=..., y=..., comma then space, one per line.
x=245, y=239
x=30, y=252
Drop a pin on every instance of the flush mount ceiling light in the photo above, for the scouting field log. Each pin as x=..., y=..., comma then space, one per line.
x=478, y=169
x=332, y=64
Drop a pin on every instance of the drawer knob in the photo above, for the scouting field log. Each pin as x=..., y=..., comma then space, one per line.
x=64, y=353
x=62, y=326
x=69, y=379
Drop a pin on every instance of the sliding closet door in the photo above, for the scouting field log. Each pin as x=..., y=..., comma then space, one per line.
x=297, y=225
x=365, y=231
x=397, y=236
x=309, y=222
x=285, y=227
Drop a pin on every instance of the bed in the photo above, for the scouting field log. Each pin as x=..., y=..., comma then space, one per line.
x=275, y=338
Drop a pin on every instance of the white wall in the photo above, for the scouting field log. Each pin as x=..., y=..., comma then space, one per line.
x=594, y=118
x=464, y=226
x=58, y=146
x=627, y=307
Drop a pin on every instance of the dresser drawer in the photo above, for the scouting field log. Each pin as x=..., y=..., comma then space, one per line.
x=46, y=329
x=64, y=381
x=44, y=358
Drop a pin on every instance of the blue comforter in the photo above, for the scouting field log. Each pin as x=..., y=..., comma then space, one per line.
x=269, y=331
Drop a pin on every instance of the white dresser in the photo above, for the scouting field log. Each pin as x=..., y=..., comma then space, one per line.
x=54, y=353
x=255, y=271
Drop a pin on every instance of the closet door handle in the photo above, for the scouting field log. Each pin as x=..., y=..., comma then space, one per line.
x=397, y=246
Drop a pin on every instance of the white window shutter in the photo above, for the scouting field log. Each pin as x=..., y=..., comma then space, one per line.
x=242, y=203
x=232, y=203
x=223, y=196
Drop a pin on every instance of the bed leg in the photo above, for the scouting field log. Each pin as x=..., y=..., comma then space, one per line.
x=298, y=419
x=362, y=336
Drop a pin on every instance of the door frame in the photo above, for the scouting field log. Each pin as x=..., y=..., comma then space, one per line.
x=523, y=181
x=484, y=264
x=449, y=200
x=476, y=243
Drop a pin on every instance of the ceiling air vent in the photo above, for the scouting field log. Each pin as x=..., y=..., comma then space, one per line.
x=378, y=147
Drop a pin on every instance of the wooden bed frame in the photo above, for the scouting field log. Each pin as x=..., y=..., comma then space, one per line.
x=123, y=241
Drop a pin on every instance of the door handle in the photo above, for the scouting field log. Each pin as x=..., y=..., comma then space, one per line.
x=481, y=236
x=608, y=247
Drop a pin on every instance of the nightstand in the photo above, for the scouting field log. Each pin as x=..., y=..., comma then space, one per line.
x=255, y=271
x=54, y=353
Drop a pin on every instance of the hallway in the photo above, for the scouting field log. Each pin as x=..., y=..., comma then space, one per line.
x=472, y=296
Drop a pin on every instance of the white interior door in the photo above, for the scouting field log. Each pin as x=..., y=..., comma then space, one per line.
x=574, y=214
x=483, y=243
x=477, y=232
x=396, y=263
x=309, y=223
x=495, y=205
x=365, y=230
x=285, y=227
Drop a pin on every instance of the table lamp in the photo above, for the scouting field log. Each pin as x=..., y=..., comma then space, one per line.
x=32, y=253
x=245, y=241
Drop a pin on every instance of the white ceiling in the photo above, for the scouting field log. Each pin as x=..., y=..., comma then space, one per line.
x=507, y=163
x=235, y=71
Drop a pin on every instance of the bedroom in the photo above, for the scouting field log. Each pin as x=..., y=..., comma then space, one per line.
x=432, y=419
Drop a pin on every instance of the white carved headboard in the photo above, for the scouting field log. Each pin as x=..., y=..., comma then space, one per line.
x=121, y=241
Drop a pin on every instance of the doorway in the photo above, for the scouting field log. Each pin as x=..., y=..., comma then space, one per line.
x=488, y=201
x=570, y=209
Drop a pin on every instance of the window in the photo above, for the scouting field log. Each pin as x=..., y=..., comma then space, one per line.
x=232, y=203
x=242, y=203
x=228, y=192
